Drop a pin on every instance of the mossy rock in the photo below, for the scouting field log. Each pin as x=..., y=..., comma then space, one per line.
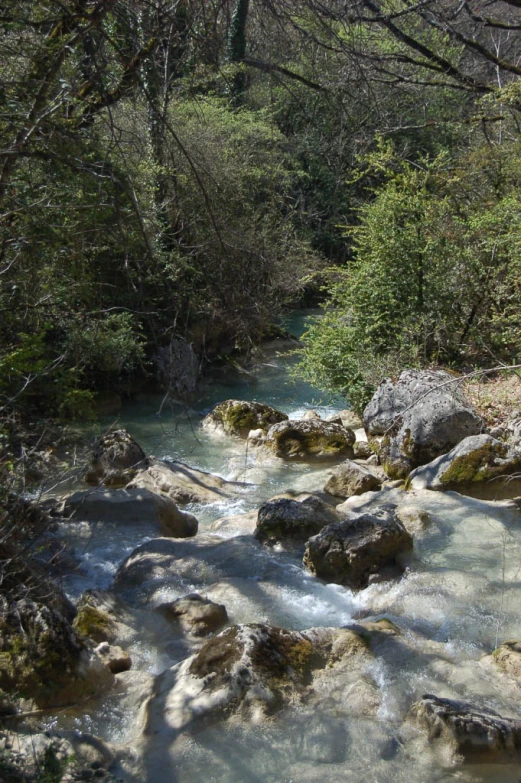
x=238, y=417
x=93, y=623
x=42, y=658
x=310, y=440
x=477, y=465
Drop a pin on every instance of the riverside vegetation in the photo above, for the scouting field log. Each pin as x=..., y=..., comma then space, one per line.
x=174, y=179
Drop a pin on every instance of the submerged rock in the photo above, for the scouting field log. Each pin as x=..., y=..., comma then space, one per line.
x=309, y=440
x=181, y=483
x=422, y=415
x=283, y=519
x=238, y=417
x=115, y=460
x=128, y=506
x=479, y=466
x=349, y=479
x=195, y=614
x=352, y=551
x=471, y=733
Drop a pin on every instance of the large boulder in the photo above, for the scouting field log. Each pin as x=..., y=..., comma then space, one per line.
x=248, y=670
x=420, y=416
x=474, y=734
x=130, y=506
x=508, y=658
x=181, y=483
x=284, y=519
x=480, y=466
x=350, y=478
x=42, y=659
x=238, y=417
x=115, y=460
x=352, y=551
x=309, y=440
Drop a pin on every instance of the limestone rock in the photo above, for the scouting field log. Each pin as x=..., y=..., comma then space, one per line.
x=311, y=416
x=414, y=519
x=248, y=670
x=238, y=417
x=181, y=483
x=476, y=735
x=346, y=418
x=115, y=460
x=508, y=658
x=350, y=552
x=349, y=479
x=42, y=658
x=421, y=416
x=479, y=466
x=362, y=449
x=287, y=519
x=115, y=659
x=309, y=440
x=196, y=615
x=127, y=506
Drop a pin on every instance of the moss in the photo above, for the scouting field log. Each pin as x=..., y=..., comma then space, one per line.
x=218, y=655
x=93, y=623
x=476, y=466
x=238, y=418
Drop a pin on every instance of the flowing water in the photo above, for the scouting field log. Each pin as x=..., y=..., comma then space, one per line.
x=459, y=598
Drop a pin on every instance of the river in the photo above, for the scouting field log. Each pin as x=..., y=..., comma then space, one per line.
x=458, y=599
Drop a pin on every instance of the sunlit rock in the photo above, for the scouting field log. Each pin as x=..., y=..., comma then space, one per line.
x=479, y=466
x=115, y=460
x=181, y=483
x=352, y=551
x=127, y=506
x=238, y=417
x=350, y=478
x=309, y=440
x=196, y=615
x=420, y=416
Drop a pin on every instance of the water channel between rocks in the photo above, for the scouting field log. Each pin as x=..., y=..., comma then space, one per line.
x=459, y=599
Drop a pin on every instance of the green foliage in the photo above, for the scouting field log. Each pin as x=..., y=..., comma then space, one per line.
x=435, y=274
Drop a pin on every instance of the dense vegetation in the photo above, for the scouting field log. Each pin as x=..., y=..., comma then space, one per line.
x=189, y=169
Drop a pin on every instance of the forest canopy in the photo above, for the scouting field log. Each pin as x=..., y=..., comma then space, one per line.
x=189, y=169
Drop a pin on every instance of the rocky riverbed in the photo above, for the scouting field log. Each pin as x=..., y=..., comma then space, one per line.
x=323, y=607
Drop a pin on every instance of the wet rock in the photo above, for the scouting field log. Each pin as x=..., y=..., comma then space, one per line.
x=421, y=416
x=183, y=484
x=130, y=506
x=284, y=519
x=42, y=658
x=346, y=418
x=479, y=466
x=238, y=417
x=249, y=670
x=362, y=449
x=311, y=416
x=349, y=552
x=508, y=658
x=237, y=524
x=414, y=519
x=309, y=440
x=472, y=734
x=349, y=479
x=115, y=460
x=115, y=659
x=196, y=615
